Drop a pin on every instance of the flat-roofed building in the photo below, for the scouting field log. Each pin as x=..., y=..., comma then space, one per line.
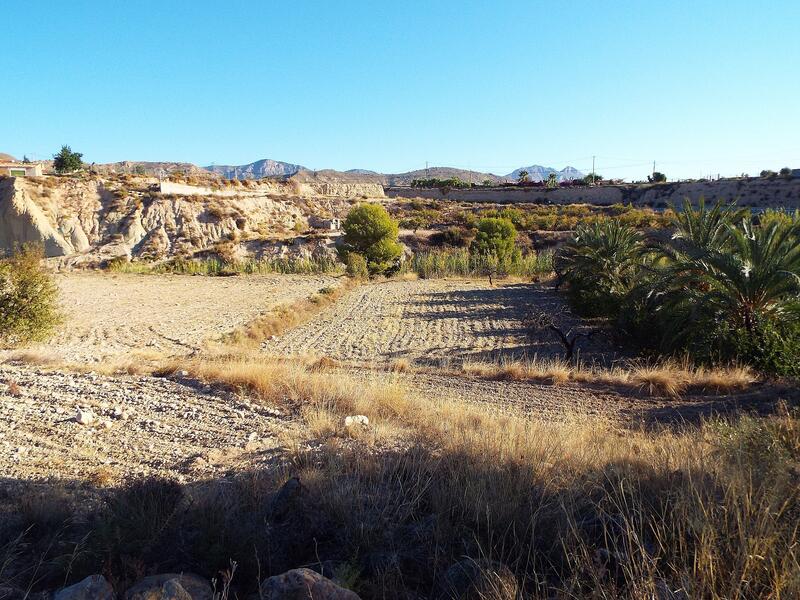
x=20, y=169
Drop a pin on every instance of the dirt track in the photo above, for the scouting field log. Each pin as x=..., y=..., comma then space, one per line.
x=112, y=314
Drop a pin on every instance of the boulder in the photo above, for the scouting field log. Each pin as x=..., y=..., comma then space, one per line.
x=94, y=587
x=472, y=579
x=171, y=586
x=303, y=584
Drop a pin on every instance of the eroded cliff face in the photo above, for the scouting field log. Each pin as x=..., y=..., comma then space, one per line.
x=96, y=219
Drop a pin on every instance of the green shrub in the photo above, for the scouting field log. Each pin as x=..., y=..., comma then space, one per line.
x=28, y=298
x=456, y=237
x=356, y=266
x=770, y=347
x=495, y=237
x=372, y=233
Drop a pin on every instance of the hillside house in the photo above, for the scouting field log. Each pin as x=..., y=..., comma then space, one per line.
x=20, y=169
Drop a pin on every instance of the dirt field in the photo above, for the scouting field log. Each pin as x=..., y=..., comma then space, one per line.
x=112, y=314
x=427, y=321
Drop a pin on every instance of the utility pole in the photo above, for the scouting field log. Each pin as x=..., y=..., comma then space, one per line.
x=593, y=169
x=426, y=170
x=654, y=169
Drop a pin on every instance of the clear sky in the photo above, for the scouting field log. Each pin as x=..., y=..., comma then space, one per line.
x=700, y=87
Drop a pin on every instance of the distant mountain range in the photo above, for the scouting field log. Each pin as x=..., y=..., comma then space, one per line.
x=276, y=168
x=540, y=173
x=256, y=170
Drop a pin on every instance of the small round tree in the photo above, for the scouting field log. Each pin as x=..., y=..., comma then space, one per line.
x=372, y=233
x=67, y=161
x=496, y=237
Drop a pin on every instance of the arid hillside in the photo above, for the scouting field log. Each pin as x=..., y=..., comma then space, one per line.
x=93, y=219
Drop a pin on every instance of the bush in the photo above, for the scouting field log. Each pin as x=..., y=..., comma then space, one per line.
x=456, y=237
x=372, y=233
x=495, y=237
x=28, y=295
x=356, y=266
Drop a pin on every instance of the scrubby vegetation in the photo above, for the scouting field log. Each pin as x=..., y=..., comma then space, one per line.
x=28, y=298
x=459, y=262
x=537, y=217
x=313, y=265
x=725, y=287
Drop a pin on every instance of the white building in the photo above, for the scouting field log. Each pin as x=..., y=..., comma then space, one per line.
x=20, y=169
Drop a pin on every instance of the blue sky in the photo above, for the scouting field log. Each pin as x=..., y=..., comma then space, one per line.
x=699, y=87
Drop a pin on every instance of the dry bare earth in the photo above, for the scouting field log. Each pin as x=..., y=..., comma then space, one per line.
x=430, y=321
x=113, y=314
x=160, y=426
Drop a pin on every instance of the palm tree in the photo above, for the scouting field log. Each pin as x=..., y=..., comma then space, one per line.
x=601, y=265
x=732, y=275
x=703, y=228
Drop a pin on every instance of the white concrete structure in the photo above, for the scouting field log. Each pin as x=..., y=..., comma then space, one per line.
x=21, y=169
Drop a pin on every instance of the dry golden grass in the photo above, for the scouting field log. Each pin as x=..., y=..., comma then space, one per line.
x=710, y=510
x=668, y=378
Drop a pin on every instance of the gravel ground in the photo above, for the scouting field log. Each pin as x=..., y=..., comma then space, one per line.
x=141, y=426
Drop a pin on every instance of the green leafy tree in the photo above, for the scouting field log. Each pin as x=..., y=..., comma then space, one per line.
x=767, y=173
x=496, y=237
x=523, y=176
x=67, y=161
x=372, y=233
x=657, y=177
x=28, y=294
x=785, y=172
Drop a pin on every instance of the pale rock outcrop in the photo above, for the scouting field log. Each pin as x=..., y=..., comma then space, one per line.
x=303, y=584
x=171, y=586
x=93, y=220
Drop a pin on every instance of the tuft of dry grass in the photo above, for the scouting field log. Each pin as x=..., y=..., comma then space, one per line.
x=669, y=378
x=285, y=317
